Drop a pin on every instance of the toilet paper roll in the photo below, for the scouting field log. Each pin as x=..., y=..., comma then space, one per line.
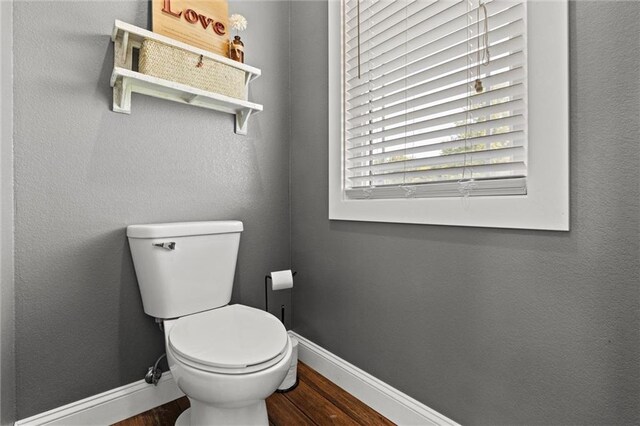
x=282, y=279
x=292, y=375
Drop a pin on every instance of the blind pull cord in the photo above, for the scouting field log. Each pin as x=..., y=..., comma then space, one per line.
x=465, y=187
x=483, y=54
x=483, y=57
x=358, y=13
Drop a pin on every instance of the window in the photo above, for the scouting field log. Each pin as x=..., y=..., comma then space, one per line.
x=449, y=112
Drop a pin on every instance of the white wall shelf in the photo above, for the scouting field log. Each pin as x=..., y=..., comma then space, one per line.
x=125, y=81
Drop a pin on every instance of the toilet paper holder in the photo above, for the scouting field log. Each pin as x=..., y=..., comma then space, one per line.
x=266, y=295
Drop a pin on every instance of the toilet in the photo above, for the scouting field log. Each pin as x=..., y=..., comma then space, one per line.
x=226, y=358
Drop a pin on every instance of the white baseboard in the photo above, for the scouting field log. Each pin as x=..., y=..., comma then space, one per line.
x=388, y=401
x=127, y=401
x=111, y=406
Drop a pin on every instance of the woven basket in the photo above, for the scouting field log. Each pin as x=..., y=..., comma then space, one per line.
x=171, y=63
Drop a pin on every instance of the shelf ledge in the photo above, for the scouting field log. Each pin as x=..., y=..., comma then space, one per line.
x=125, y=82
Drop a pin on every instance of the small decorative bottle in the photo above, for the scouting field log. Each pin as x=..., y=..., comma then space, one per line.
x=236, y=49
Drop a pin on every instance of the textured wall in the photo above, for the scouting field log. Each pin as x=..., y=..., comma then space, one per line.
x=7, y=296
x=83, y=173
x=487, y=326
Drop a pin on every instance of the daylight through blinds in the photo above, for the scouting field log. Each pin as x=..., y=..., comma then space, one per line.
x=435, y=98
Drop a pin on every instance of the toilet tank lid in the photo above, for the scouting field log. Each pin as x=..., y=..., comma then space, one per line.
x=183, y=229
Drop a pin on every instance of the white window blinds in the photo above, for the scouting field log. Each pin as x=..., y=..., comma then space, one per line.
x=434, y=98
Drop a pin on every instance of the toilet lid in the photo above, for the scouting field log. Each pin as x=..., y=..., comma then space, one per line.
x=232, y=337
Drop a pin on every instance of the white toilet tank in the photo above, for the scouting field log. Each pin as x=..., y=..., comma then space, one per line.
x=184, y=267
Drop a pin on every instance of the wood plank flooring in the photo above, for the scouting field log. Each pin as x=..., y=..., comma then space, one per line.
x=316, y=401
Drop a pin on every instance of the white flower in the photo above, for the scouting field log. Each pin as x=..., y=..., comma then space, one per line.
x=238, y=22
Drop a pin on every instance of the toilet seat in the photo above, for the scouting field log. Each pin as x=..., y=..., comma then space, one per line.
x=234, y=339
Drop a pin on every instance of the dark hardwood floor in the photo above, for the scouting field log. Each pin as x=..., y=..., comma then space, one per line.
x=316, y=401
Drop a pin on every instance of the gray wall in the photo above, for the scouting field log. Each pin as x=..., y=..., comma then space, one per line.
x=523, y=327
x=7, y=296
x=487, y=326
x=83, y=173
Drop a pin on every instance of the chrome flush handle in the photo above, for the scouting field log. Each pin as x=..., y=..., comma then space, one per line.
x=167, y=246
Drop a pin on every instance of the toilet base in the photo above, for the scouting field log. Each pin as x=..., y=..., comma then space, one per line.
x=204, y=415
x=184, y=419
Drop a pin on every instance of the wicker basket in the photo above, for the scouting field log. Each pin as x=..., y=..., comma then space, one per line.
x=171, y=63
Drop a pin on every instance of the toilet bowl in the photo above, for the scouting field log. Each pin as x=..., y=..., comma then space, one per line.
x=226, y=358
x=227, y=361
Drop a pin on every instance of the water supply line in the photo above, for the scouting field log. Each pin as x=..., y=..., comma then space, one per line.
x=154, y=373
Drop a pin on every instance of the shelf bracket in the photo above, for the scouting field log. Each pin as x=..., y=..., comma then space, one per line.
x=242, y=121
x=122, y=96
x=123, y=51
x=125, y=45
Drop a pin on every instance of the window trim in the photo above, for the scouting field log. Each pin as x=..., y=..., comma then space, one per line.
x=546, y=205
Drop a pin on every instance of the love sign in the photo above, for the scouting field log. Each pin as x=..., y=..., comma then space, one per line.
x=199, y=23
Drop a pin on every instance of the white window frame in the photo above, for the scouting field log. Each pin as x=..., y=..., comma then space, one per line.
x=546, y=205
